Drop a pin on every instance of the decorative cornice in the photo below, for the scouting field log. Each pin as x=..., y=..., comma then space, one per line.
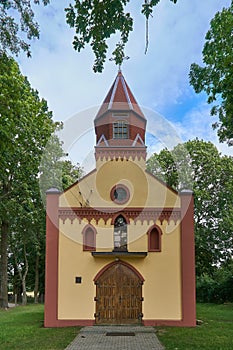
x=135, y=214
x=120, y=153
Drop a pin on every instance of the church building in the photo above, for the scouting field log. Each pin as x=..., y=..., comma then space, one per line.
x=120, y=242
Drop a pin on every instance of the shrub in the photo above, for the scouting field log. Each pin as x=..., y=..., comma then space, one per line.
x=217, y=288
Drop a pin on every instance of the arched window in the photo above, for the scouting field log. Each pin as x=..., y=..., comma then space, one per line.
x=120, y=234
x=120, y=130
x=89, y=238
x=154, y=239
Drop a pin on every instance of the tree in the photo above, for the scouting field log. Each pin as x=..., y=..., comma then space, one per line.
x=26, y=125
x=216, y=288
x=16, y=18
x=70, y=173
x=211, y=177
x=27, y=238
x=27, y=231
x=55, y=170
x=96, y=21
x=216, y=77
x=173, y=167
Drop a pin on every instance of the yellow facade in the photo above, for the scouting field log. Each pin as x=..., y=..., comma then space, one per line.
x=160, y=270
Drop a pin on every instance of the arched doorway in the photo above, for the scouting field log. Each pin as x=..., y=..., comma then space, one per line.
x=118, y=294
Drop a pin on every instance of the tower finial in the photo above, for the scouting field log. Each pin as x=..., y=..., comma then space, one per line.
x=123, y=59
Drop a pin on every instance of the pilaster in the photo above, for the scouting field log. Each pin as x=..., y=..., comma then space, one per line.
x=188, y=259
x=51, y=265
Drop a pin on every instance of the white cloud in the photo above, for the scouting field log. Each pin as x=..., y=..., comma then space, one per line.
x=159, y=80
x=176, y=35
x=197, y=123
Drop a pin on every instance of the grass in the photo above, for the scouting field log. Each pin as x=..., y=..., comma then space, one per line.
x=216, y=332
x=22, y=328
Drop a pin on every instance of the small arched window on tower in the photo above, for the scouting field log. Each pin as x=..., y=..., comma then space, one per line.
x=120, y=130
x=89, y=238
x=154, y=239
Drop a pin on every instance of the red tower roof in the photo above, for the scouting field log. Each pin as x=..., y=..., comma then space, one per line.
x=120, y=125
x=120, y=98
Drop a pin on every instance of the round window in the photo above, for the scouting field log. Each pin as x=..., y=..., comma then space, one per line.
x=120, y=194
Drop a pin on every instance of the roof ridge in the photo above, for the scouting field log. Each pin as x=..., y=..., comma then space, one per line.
x=113, y=92
x=126, y=92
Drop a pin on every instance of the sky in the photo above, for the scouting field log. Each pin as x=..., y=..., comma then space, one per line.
x=159, y=80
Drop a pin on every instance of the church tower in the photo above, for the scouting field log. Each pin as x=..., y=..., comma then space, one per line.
x=120, y=126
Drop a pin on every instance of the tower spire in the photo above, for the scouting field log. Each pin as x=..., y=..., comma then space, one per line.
x=120, y=97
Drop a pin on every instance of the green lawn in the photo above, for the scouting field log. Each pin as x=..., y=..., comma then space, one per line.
x=216, y=332
x=22, y=328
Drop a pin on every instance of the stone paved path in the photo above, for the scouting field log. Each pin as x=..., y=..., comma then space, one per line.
x=95, y=338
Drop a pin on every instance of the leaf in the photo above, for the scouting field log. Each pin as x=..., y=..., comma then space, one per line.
x=199, y=164
x=96, y=21
x=17, y=18
x=216, y=77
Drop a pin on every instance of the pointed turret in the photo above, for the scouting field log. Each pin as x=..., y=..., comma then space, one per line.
x=118, y=98
x=120, y=124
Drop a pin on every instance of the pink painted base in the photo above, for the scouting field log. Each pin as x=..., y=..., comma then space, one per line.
x=69, y=323
x=147, y=323
x=171, y=323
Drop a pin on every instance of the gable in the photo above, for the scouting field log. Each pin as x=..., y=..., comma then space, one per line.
x=145, y=190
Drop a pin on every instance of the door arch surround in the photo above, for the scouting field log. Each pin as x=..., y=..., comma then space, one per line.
x=118, y=294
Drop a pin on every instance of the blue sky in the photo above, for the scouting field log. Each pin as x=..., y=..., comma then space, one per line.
x=158, y=80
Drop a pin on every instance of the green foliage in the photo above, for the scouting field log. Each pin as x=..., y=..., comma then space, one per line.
x=163, y=166
x=198, y=165
x=147, y=7
x=70, y=174
x=96, y=21
x=216, y=77
x=174, y=167
x=26, y=125
x=55, y=171
x=31, y=152
x=217, y=288
x=16, y=18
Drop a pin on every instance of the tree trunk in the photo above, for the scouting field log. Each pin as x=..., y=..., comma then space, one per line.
x=24, y=300
x=17, y=285
x=3, y=265
x=23, y=276
x=36, y=287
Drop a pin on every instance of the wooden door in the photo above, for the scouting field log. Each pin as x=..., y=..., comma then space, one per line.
x=119, y=296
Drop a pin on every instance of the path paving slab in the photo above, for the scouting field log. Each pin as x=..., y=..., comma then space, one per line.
x=116, y=338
